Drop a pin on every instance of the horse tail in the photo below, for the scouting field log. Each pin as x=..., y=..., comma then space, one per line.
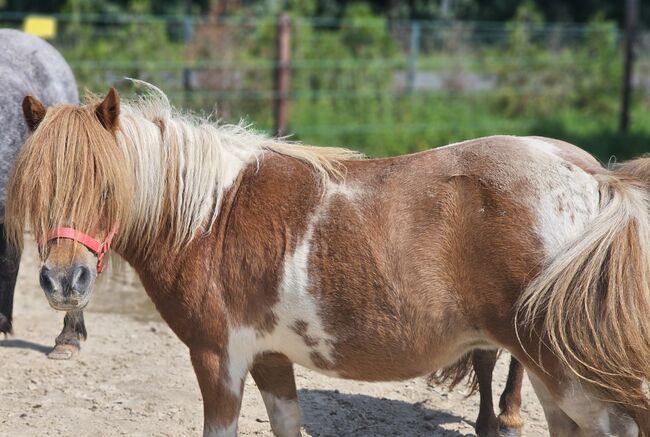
x=454, y=374
x=591, y=303
x=464, y=370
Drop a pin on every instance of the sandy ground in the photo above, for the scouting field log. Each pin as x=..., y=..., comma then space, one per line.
x=133, y=377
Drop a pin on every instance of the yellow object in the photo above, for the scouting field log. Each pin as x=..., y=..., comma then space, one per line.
x=45, y=27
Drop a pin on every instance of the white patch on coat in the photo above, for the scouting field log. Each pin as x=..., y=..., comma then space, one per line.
x=284, y=415
x=296, y=303
x=577, y=413
x=243, y=345
x=489, y=137
x=559, y=424
x=218, y=431
x=341, y=188
x=594, y=416
x=541, y=145
x=565, y=197
x=448, y=146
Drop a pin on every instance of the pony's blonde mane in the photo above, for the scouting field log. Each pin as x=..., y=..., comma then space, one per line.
x=164, y=172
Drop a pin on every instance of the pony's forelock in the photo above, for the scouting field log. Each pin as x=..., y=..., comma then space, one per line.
x=67, y=173
x=161, y=170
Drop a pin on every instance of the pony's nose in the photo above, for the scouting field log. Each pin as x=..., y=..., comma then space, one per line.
x=80, y=279
x=70, y=282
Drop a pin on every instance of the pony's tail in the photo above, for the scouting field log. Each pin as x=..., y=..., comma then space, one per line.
x=456, y=373
x=591, y=304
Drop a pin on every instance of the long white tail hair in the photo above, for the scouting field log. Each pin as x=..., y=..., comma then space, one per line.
x=592, y=301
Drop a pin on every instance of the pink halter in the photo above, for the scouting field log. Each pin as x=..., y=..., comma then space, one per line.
x=96, y=247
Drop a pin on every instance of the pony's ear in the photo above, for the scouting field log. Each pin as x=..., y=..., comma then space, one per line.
x=34, y=112
x=108, y=110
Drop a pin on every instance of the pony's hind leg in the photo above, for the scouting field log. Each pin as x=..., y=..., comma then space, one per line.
x=483, y=362
x=9, y=262
x=575, y=411
x=67, y=344
x=559, y=424
x=273, y=374
x=510, y=421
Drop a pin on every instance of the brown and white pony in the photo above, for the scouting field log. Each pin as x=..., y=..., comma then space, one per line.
x=260, y=253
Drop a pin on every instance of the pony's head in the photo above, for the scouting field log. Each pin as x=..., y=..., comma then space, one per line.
x=157, y=175
x=70, y=173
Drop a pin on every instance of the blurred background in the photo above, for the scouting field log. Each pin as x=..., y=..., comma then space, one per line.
x=385, y=77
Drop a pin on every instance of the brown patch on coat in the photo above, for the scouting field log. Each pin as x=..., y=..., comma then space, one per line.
x=220, y=405
x=301, y=327
x=273, y=373
x=320, y=361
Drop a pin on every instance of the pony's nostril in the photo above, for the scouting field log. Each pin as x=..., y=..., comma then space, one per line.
x=80, y=278
x=46, y=281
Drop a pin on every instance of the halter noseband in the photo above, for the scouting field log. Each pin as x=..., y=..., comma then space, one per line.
x=96, y=247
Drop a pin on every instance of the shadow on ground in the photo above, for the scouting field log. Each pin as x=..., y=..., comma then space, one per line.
x=331, y=413
x=23, y=344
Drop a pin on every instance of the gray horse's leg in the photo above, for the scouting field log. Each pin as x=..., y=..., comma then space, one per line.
x=9, y=262
x=67, y=344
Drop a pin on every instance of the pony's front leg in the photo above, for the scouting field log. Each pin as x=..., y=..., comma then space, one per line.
x=222, y=394
x=67, y=344
x=273, y=374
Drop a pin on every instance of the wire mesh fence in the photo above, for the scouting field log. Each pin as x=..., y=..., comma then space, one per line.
x=383, y=86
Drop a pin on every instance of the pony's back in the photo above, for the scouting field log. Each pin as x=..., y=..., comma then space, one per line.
x=28, y=65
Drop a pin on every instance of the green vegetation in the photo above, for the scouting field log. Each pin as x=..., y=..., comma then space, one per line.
x=350, y=76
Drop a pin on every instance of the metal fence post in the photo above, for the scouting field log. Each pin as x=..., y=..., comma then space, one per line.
x=414, y=49
x=282, y=72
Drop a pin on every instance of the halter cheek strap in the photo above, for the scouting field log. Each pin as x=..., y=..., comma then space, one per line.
x=96, y=247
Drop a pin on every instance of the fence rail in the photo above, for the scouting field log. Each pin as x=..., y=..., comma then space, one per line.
x=380, y=85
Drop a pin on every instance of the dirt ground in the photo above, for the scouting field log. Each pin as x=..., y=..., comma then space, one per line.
x=133, y=377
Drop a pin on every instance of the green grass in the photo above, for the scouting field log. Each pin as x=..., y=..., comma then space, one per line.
x=410, y=124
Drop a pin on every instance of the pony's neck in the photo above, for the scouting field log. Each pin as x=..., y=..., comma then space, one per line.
x=182, y=167
x=181, y=172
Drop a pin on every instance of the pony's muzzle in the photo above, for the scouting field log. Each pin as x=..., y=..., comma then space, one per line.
x=67, y=288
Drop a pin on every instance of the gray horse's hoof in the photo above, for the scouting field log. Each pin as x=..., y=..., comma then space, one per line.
x=63, y=352
x=5, y=325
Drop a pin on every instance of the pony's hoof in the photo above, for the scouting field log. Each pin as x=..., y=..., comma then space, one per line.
x=506, y=431
x=63, y=352
x=5, y=325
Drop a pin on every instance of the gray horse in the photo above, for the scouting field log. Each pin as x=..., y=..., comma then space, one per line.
x=28, y=65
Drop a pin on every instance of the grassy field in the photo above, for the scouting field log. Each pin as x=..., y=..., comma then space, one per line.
x=555, y=80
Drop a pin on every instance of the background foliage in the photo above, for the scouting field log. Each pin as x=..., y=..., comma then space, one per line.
x=364, y=74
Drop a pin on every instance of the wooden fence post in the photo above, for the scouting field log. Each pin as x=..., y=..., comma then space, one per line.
x=282, y=72
x=631, y=12
x=188, y=27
